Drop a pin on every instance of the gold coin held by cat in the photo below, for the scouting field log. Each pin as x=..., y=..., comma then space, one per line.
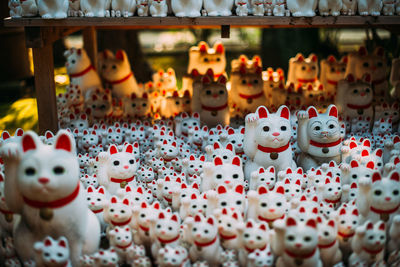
x=360, y=111
x=298, y=261
x=46, y=214
x=8, y=217
x=274, y=155
x=325, y=150
x=384, y=217
x=123, y=184
x=214, y=113
x=249, y=100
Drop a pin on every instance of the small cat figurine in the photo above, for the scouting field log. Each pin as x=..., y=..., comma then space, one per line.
x=280, y=9
x=268, y=6
x=184, y=123
x=173, y=257
x=349, y=7
x=302, y=8
x=52, y=252
x=388, y=7
x=137, y=107
x=96, y=199
x=332, y=71
x=123, y=8
x=318, y=137
x=205, y=243
x=95, y=8
x=368, y=243
x=48, y=193
x=296, y=243
x=50, y=9
x=267, y=140
x=369, y=7
x=348, y=220
x=331, y=8
x=15, y=8
x=158, y=8
x=80, y=70
x=228, y=225
x=74, y=9
x=202, y=58
x=218, y=7
x=106, y=258
x=29, y=8
x=117, y=168
x=378, y=198
x=117, y=213
x=242, y=9
x=121, y=239
x=117, y=74
x=186, y=8
x=303, y=70
x=261, y=258
x=143, y=8
x=210, y=99
x=165, y=80
x=328, y=244
x=263, y=176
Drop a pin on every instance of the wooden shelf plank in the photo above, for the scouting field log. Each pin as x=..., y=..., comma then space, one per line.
x=234, y=21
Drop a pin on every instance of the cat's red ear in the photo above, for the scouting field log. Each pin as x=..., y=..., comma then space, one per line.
x=101, y=190
x=262, y=112
x=331, y=223
x=382, y=226
x=114, y=200
x=219, y=48
x=161, y=216
x=362, y=51
x=221, y=189
x=280, y=190
x=370, y=226
x=62, y=243
x=197, y=218
x=120, y=55
x=5, y=135
x=125, y=202
x=291, y=222
x=206, y=79
x=64, y=141
x=174, y=218
x=331, y=59
x=311, y=223
x=262, y=190
x=19, y=132
x=28, y=142
x=129, y=149
x=203, y=47
x=218, y=161
x=222, y=80
x=239, y=189
x=113, y=149
x=285, y=112
x=210, y=221
x=299, y=57
x=263, y=227
x=314, y=58
x=376, y=177
x=249, y=224
x=395, y=177
x=312, y=112
x=47, y=242
x=333, y=112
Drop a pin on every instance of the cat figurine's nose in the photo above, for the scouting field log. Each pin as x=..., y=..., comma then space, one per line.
x=276, y=134
x=44, y=180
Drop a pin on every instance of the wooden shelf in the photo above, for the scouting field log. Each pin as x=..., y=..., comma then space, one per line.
x=234, y=21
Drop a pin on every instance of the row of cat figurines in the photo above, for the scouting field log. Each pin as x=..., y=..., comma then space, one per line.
x=59, y=9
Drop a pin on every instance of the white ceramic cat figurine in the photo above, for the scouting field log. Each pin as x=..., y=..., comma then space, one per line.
x=52, y=252
x=202, y=58
x=368, y=243
x=348, y=219
x=296, y=243
x=332, y=71
x=211, y=100
x=218, y=7
x=80, y=70
x=50, y=9
x=95, y=8
x=318, y=137
x=349, y=7
x=121, y=240
x=186, y=8
x=303, y=70
x=267, y=140
x=228, y=225
x=330, y=8
x=369, y=7
x=29, y=8
x=143, y=8
x=117, y=168
x=389, y=7
x=158, y=8
x=74, y=9
x=259, y=8
x=205, y=244
x=302, y=8
x=123, y=8
x=263, y=177
x=15, y=8
x=328, y=244
x=42, y=184
x=173, y=257
x=117, y=74
x=280, y=9
x=96, y=200
x=106, y=258
x=242, y=9
x=268, y=6
x=378, y=198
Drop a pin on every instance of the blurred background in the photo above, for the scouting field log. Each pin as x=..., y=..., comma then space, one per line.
x=150, y=50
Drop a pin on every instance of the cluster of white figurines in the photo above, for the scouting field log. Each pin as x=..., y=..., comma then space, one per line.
x=195, y=8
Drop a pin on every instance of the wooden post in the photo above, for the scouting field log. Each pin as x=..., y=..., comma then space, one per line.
x=90, y=43
x=225, y=31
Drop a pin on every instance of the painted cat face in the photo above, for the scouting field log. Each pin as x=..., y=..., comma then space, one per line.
x=76, y=60
x=100, y=103
x=334, y=70
x=236, y=137
x=213, y=94
x=262, y=258
x=359, y=91
x=53, y=251
x=114, y=136
x=323, y=127
x=168, y=226
x=114, y=67
x=137, y=106
x=360, y=124
x=105, y=258
x=263, y=177
x=228, y=221
x=271, y=204
x=301, y=237
x=332, y=189
x=120, y=236
x=228, y=174
x=327, y=232
x=255, y=235
x=78, y=122
x=90, y=181
x=232, y=199
x=385, y=192
x=361, y=63
x=136, y=134
x=305, y=69
x=165, y=80
x=121, y=164
x=173, y=256
x=48, y=172
x=118, y=210
x=195, y=166
x=202, y=58
x=95, y=198
x=273, y=129
x=375, y=235
x=190, y=122
x=248, y=80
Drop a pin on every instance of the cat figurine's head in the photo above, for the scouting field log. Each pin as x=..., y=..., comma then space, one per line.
x=273, y=129
x=271, y=204
x=120, y=237
x=114, y=67
x=385, y=192
x=216, y=149
x=229, y=174
x=255, y=235
x=213, y=93
x=202, y=58
x=137, y=107
x=236, y=138
x=204, y=229
x=48, y=173
x=332, y=190
x=301, y=237
x=303, y=70
x=90, y=180
x=333, y=70
x=118, y=211
x=106, y=258
x=121, y=164
x=247, y=79
x=261, y=258
x=266, y=177
x=173, y=256
x=228, y=222
x=52, y=252
x=327, y=232
x=234, y=199
x=189, y=122
x=374, y=237
x=165, y=80
x=167, y=226
x=348, y=220
x=77, y=60
x=96, y=198
x=360, y=124
x=79, y=122
x=356, y=92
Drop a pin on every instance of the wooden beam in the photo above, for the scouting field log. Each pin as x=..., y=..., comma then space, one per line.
x=90, y=43
x=37, y=37
x=45, y=88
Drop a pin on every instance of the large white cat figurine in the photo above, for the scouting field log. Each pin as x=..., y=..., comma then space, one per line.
x=218, y=7
x=50, y=9
x=318, y=137
x=123, y=8
x=42, y=185
x=186, y=8
x=267, y=140
x=95, y=8
x=202, y=58
x=303, y=70
x=302, y=8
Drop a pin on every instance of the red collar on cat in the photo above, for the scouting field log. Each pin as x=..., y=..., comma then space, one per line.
x=227, y=237
x=328, y=245
x=239, y=153
x=272, y=150
x=252, y=96
x=169, y=200
x=332, y=82
x=79, y=74
x=251, y=250
x=301, y=256
x=371, y=251
x=270, y=220
x=346, y=235
x=379, y=211
x=121, y=223
x=214, y=108
x=307, y=80
x=332, y=201
x=206, y=244
x=53, y=204
x=317, y=144
x=145, y=229
x=168, y=241
x=6, y=211
x=124, y=247
x=185, y=134
x=97, y=211
x=359, y=107
x=120, y=180
x=121, y=80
